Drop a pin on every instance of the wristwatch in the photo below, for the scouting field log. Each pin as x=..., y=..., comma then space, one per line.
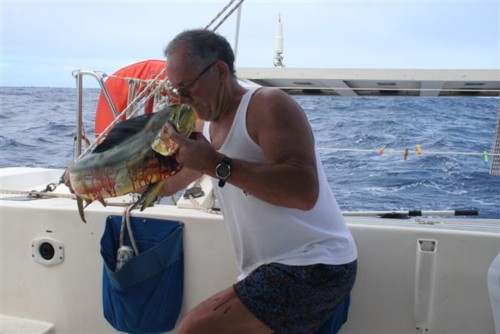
x=223, y=170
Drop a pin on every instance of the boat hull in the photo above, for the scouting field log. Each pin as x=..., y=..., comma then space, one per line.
x=405, y=267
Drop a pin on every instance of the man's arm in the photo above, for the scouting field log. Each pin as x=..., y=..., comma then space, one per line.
x=280, y=127
x=179, y=181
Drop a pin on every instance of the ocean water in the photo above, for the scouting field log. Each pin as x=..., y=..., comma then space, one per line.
x=38, y=126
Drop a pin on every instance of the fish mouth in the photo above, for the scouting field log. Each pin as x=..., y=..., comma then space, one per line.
x=184, y=120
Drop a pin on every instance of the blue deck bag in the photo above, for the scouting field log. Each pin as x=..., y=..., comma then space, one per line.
x=339, y=317
x=145, y=295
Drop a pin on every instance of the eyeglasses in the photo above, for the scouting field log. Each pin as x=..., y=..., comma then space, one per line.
x=185, y=91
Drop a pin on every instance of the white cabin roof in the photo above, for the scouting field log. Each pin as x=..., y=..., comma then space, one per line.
x=371, y=82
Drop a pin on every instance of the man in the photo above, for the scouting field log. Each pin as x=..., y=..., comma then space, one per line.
x=297, y=257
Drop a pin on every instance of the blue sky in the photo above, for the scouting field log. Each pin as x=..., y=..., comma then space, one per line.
x=42, y=42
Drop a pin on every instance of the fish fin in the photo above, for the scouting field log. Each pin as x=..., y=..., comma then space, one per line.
x=79, y=203
x=168, y=162
x=103, y=202
x=123, y=131
x=148, y=197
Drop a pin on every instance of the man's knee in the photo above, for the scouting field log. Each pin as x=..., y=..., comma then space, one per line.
x=199, y=319
x=188, y=325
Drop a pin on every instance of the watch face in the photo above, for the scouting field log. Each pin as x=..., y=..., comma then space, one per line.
x=223, y=171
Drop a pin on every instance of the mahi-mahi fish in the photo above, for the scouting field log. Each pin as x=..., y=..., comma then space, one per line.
x=131, y=158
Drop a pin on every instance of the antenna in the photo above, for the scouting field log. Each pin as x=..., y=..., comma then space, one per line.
x=278, y=44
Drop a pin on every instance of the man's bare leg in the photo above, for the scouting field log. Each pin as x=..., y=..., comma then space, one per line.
x=221, y=313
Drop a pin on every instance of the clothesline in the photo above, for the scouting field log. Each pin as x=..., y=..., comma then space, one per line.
x=418, y=151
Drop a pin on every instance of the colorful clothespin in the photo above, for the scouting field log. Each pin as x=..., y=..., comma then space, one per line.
x=406, y=153
x=419, y=150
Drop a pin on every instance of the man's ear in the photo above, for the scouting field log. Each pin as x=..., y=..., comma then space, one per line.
x=222, y=70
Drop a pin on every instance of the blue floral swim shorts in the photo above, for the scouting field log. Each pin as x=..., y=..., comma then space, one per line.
x=295, y=299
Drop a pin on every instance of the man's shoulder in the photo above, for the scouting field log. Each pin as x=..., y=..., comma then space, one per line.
x=269, y=92
x=269, y=97
x=269, y=103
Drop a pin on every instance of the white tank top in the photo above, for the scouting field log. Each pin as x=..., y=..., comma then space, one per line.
x=261, y=232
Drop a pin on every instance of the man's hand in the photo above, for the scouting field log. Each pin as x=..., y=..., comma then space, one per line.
x=195, y=152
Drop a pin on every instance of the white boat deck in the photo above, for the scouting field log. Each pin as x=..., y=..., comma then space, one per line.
x=15, y=325
x=395, y=258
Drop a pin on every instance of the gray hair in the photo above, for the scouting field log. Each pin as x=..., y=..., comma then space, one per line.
x=201, y=45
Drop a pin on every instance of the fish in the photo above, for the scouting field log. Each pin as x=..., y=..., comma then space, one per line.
x=131, y=157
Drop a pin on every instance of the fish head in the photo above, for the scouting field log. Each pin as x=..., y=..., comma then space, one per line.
x=183, y=119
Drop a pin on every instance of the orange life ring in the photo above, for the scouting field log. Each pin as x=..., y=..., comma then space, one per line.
x=118, y=90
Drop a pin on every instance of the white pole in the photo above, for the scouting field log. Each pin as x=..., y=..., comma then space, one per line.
x=278, y=44
x=278, y=39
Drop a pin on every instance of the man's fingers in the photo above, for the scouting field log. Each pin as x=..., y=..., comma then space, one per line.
x=196, y=136
x=173, y=140
x=169, y=132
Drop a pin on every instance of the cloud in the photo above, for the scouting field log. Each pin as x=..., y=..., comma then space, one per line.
x=42, y=39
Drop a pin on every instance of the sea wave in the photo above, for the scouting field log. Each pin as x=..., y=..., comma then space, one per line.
x=38, y=129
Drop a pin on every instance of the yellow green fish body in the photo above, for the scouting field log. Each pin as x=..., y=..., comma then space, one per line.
x=127, y=160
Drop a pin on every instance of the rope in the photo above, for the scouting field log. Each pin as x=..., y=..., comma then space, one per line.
x=495, y=147
x=126, y=111
x=36, y=193
x=393, y=151
x=126, y=223
x=222, y=12
x=131, y=79
x=132, y=93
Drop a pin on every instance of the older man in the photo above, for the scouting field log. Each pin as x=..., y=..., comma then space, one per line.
x=296, y=255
